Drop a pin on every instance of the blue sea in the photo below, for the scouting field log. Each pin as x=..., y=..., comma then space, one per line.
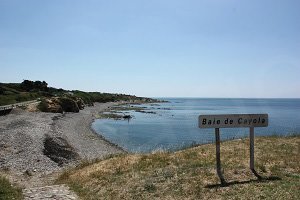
x=175, y=124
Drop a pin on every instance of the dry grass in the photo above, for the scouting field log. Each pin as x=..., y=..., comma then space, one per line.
x=190, y=173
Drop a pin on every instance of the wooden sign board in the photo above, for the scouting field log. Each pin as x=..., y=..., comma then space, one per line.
x=233, y=121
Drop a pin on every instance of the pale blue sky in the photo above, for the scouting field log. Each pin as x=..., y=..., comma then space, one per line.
x=187, y=48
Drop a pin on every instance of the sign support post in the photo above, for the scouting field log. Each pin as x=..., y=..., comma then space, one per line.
x=233, y=121
x=252, y=153
x=218, y=157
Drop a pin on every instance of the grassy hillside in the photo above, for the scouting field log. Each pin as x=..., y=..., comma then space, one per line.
x=190, y=173
x=11, y=93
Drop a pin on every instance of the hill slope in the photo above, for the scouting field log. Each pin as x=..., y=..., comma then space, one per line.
x=11, y=93
x=190, y=173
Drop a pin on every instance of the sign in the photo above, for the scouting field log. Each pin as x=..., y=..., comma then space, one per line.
x=233, y=121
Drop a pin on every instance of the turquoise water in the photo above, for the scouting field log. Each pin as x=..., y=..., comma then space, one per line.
x=175, y=123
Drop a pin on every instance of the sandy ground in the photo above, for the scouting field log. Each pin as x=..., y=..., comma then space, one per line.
x=22, y=135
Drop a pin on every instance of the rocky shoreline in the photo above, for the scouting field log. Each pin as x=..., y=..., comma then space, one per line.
x=34, y=146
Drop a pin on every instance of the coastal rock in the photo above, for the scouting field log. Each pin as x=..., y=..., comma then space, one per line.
x=61, y=104
x=80, y=103
x=59, y=150
x=51, y=105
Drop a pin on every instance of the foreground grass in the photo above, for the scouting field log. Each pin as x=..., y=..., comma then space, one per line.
x=8, y=192
x=190, y=173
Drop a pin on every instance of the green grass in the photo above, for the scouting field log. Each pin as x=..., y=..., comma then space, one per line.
x=8, y=192
x=191, y=174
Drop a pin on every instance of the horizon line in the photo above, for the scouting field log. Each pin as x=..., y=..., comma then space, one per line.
x=181, y=97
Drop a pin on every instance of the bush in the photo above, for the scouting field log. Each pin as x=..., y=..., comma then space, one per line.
x=28, y=85
x=68, y=105
x=7, y=191
x=43, y=106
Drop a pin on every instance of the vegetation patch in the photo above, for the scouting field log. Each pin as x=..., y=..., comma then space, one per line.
x=11, y=93
x=8, y=191
x=190, y=173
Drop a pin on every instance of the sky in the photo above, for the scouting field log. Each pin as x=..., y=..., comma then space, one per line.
x=155, y=48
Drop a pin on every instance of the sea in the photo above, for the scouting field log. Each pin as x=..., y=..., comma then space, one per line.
x=174, y=125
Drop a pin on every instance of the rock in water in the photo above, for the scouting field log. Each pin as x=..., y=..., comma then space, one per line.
x=127, y=117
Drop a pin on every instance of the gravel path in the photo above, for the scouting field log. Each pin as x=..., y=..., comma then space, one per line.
x=61, y=192
x=22, y=136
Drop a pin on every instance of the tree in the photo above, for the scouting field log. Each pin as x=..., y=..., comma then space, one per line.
x=27, y=85
x=37, y=85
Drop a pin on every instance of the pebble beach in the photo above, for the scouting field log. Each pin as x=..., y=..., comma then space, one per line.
x=22, y=136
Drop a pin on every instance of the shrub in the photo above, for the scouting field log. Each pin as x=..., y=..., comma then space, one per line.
x=7, y=191
x=43, y=106
x=68, y=105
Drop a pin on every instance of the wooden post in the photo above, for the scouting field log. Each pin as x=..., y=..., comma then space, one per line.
x=251, y=148
x=218, y=158
x=252, y=153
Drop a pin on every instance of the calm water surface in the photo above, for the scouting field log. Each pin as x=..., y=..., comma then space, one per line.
x=175, y=124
